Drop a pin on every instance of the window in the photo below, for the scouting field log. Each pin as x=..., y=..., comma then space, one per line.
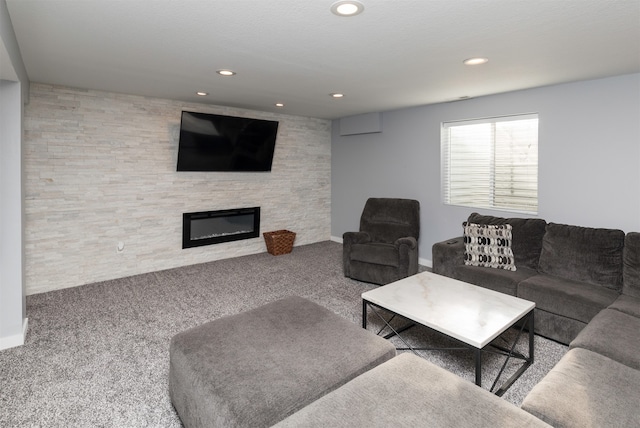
x=491, y=163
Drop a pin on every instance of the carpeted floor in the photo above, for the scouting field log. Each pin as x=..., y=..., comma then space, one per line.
x=97, y=355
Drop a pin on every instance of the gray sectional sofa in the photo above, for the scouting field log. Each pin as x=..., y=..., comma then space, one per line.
x=586, y=285
x=571, y=272
x=597, y=382
x=294, y=363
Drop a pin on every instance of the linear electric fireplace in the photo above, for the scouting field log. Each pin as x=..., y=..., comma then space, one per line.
x=214, y=227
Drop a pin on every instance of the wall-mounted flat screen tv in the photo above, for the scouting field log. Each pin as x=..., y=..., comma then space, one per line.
x=211, y=142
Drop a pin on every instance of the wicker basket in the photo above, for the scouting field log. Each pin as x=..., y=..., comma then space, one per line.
x=279, y=241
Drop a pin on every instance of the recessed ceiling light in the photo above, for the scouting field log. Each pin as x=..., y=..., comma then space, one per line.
x=347, y=8
x=475, y=61
x=279, y=104
x=202, y=94
x=337, y=95
x=225, y=72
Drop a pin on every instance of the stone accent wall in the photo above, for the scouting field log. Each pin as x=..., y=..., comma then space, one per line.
x=101, y=168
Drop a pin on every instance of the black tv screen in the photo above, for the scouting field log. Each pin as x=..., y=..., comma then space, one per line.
x=211, y=142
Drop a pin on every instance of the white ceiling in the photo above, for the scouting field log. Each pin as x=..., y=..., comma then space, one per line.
x=397, y=53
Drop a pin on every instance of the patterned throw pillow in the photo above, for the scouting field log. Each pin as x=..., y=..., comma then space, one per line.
x=488, y=245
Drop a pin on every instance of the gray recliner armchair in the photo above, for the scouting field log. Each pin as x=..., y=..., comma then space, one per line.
x=386, y=247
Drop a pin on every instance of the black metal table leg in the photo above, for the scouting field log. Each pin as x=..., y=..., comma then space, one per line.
x=364, y=314
x=531, y=335
x=478, y=357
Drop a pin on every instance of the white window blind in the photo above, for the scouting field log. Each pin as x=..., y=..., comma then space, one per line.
x=491, y=163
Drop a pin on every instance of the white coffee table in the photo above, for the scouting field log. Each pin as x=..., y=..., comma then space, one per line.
x=470, y=314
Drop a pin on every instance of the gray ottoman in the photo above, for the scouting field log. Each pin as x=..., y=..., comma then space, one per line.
x=258, y=367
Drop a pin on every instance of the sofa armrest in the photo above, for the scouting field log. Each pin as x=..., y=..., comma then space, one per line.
x=410, y=242
x=349, y=239
x=446, y=255
x=407, y=255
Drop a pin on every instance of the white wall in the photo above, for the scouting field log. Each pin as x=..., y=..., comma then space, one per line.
x=589, y=158
x=101, y=168
x=13, y=84
x=12, y=302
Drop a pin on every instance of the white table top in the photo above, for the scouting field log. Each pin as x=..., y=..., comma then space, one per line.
x=472, y=314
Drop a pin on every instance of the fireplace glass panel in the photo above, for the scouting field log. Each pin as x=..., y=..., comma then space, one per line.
x=221, y=226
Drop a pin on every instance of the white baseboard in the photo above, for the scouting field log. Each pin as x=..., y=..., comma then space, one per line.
x=425, y=262
x=16, y=339
x=422, y=262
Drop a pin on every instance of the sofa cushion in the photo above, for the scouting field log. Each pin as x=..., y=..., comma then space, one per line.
x=613, y=334
x=411, y=392
x=526, y=235
x=583, y=254
x=578, y=300
x=586, y=390
x=488, y=245
x=627, y=304
x=504, y=281
x=557, y=327
x=375, y=252
x=631, y=265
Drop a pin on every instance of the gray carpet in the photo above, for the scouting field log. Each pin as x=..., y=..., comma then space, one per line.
x=97, y=355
